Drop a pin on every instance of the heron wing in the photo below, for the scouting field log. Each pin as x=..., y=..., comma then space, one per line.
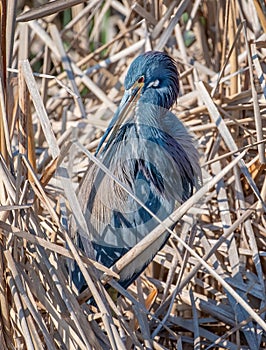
x=153, y=166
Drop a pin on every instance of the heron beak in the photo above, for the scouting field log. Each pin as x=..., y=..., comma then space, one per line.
x=127, y=104
x=129, y=99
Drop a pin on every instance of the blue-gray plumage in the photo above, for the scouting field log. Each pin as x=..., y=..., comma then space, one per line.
x=150, y=151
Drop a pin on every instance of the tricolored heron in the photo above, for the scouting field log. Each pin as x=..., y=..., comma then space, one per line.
x=150, y=151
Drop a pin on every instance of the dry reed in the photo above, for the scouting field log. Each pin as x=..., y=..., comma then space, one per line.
x=62, y=70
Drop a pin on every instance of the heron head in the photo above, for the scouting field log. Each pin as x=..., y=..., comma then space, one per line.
x=155, y=74
x=152, y=79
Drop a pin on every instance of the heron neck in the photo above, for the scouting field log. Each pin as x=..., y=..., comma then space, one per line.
x=149, y=114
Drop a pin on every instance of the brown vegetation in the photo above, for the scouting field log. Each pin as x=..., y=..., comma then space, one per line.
x=61, y=75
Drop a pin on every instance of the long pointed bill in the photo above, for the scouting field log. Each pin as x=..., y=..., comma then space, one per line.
x=127, y=103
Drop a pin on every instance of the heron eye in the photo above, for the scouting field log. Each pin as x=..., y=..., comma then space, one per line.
x=141, y=80
x=154, y=83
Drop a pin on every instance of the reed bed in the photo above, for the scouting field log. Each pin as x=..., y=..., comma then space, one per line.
x=62, y=71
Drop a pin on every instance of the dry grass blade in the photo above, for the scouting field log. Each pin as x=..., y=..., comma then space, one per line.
x=168, y=31
x=260, y=14
x=227, y=136
x=22, y=292
x=47, y=9
x=67, y=67
x=257, y=115
x=5, y=138
x=51, y=140
x=61, y=79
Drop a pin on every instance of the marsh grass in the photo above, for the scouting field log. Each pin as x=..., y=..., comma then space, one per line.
x=62, y=72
